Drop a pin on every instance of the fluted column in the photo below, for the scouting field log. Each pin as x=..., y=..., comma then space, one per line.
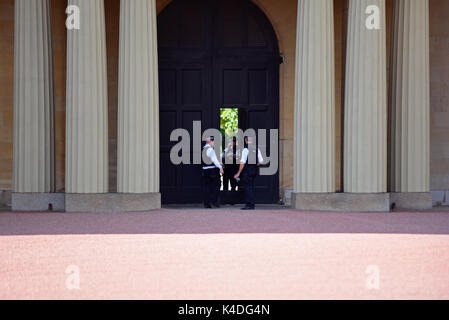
x=34, y=163
x=138, y=125
x=314, y=170
x=365, y=142
x=87, y=119
x=410, y=97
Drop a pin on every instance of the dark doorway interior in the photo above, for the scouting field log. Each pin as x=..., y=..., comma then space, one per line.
x=214, y=54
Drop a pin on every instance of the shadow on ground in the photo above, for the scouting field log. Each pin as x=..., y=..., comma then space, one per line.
x=227, y=220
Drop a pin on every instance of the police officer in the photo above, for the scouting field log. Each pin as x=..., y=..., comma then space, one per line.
x=212, y=169
x=231, y=167
x=249, y=170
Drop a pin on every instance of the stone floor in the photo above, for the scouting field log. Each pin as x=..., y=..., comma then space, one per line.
x=190, y=253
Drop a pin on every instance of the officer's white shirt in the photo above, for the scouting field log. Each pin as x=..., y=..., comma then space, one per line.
x=230, y=149
x=225, y=152
x=212, y=156
x=245, y=153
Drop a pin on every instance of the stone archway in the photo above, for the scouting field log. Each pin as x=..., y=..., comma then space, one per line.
x=214, y=54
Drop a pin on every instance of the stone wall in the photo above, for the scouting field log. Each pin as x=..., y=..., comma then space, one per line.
x=59, y=59
x=6, y=91
x=282, y=14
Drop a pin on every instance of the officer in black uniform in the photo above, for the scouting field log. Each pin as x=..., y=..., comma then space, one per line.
x=230, y=165
x=212, y=169
x=249, y=169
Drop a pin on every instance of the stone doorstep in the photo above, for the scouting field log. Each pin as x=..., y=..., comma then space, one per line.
x=112, y=202
x=115, y=202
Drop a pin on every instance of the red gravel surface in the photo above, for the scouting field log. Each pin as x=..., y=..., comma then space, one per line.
x=225, y=254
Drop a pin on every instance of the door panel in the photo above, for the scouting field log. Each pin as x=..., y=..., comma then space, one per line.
x=187, y=100
x=257, y=106
x=258, y=87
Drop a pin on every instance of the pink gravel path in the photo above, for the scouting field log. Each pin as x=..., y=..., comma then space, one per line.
x=224, y=254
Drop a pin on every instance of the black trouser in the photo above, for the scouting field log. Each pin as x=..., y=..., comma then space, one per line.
x=229, y=173
x=211, y=185
x=248, y=182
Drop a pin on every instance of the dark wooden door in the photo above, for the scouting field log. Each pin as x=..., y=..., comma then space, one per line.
x=214, y=54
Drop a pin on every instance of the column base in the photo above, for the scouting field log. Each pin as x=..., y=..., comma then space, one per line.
x=112, y=202
x=412, y=200
x=440, y=197
x=38, y=202
x=288, y=196
x=342, y=202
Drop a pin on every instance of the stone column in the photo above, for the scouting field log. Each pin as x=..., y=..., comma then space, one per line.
x=138, y=125
x=87, y=105
x=365, y=115
x=410, y=105
x=314, y=159
x=365, y=141
x=34, y=155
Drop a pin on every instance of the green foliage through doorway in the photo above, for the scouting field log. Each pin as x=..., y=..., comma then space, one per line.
x=229, y=121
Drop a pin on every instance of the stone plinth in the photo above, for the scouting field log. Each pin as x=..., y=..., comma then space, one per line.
x=112, y=202
x=344, y=202
x=24, y=202
x=412, y=200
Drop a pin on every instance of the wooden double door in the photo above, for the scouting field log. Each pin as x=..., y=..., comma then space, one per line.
x=214, y=54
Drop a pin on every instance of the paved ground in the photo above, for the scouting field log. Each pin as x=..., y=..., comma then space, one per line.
x=225, y=254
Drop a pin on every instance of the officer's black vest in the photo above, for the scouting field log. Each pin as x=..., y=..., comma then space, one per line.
x=210, y=162
x=251, y=167
x=213, y=172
